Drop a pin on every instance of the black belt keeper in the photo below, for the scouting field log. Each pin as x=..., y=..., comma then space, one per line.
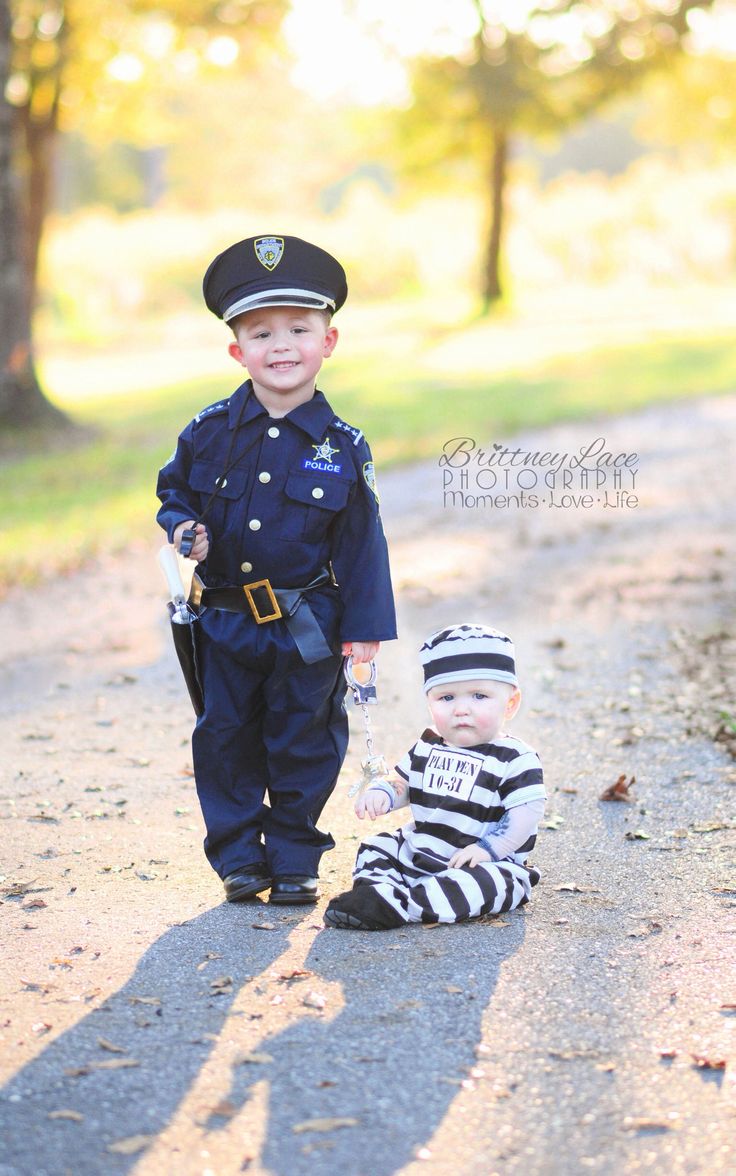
x=266, y=604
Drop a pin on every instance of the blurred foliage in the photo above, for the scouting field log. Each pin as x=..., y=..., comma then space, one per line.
x=535, y=73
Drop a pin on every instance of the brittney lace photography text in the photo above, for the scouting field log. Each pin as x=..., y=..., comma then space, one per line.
x=504, y=478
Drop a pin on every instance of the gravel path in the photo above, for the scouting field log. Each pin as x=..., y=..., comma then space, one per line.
x=149, y=1028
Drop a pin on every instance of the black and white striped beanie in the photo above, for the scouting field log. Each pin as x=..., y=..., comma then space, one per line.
x=468, y=653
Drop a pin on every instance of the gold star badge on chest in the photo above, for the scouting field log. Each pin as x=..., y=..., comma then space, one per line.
x=325, y=451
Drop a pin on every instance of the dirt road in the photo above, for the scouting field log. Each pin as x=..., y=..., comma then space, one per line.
x=149, y=1028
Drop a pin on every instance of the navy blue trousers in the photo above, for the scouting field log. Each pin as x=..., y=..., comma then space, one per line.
x=270, y=744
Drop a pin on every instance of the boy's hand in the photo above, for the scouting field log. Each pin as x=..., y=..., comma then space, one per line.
x=472, y=855
x=201, y=544
x=361, y=651
x=373, y=803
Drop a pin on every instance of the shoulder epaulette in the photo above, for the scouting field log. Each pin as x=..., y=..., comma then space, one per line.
x=221, y=406
x=344, y=427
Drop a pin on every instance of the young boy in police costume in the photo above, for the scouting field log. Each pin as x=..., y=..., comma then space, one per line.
x=277, y=496
x=476, y=796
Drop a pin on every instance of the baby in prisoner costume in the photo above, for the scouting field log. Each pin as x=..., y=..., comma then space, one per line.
x=476, y=796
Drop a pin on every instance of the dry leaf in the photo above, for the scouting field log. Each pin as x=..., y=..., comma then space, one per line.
x=34, y=904
x=296, y=974
x=619, y=790
x=264, y=926
x=252, y=1059
x=110, y=1046
x=668, y=1053
x=144, y=1000
x=314, y=1000
x=131, y=1145
x=650, y=928
x=636, y=835
x=225, y=1109
x=41, y=1027
x=323, y=1125
x=452, y=988
x=704, y=1063
x=115, y=1064
x=16, y=889
x=222, y=985
x=73, y=1116
x=641, y=1123
x=554, y=821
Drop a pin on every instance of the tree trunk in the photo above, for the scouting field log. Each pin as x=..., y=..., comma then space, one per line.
x=22, y=403
x=492, y=290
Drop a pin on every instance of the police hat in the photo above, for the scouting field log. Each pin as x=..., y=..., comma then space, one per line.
x=273, y=271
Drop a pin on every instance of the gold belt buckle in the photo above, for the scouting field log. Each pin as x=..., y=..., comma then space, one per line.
x=249, y=589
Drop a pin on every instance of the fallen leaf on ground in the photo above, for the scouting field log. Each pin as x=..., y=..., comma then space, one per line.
x=619, y=790
x=296, y=974
x=323, y=1125
x=115, y=1064
x=221, y=984
x=650, y=928
x=642, y=1123
x=34, y=904
x=264, y=926
x=552, y=822
x=314, y=1000
x=129, y=1146
x=210, y=955
x=636, y=835
x=73, y=1116
x=225, y=1109
x=144, y=1000
x=728, y=1008
x=252, y=1059
x=16, y=889
x=705, y=1063
x=668, y=1054
x=452, y=988
x=110, y=1046
x=41, y=1027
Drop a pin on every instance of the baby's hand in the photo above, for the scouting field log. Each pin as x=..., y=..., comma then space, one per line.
x=472, y=855
x=360, y=651
x=373, y=803
x=201, y=544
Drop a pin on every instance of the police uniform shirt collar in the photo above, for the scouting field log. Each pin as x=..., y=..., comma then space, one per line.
x=250, y=410
x=314, y=416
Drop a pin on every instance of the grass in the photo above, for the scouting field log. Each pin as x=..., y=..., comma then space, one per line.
x=97, y=494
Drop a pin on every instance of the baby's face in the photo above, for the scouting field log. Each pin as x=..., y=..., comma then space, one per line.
x=468, y=713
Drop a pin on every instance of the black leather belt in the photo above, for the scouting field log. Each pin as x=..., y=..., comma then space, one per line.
x=265, y=604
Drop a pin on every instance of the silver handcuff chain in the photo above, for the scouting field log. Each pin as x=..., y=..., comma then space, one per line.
x=364, y=694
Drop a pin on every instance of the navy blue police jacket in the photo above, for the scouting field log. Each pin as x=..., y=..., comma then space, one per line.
x=300, y=495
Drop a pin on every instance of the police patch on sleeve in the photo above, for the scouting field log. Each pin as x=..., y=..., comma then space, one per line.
x=369, y=473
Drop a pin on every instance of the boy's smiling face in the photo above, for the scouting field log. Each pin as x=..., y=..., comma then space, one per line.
x=282, y=348
x=473, y=712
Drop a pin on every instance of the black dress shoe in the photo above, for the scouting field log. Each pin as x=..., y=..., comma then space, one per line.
x=246, y=883
x=294, y=888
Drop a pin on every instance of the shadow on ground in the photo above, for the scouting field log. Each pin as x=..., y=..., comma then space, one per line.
x=392, y=1058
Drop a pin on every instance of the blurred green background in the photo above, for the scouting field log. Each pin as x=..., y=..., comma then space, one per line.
x=392, y=135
